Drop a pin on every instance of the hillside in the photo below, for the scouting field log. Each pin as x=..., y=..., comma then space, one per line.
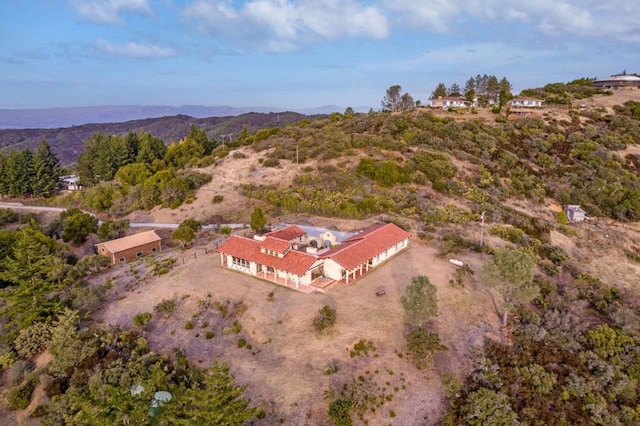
x=554, y=339
x=68, y=142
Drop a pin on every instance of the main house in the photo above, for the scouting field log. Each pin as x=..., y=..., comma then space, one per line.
x=124, y=249
x=288, y=256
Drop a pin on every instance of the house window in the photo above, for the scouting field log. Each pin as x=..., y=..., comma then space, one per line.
x=243, y=263
x=102, y=249
x=121, y=260
x=138, y=254
x=154, y=249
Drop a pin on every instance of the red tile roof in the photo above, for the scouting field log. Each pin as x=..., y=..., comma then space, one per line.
x=361, y=247
x=296, y=262
x=275, y=244
x=287, y=233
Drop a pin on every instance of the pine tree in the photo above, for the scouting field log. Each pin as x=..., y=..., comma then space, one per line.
x=258, y=219
x=46, y=170
x=440, y=90
x=493, y=86
x=4, y=178
x=419, y=301
x=455, y=90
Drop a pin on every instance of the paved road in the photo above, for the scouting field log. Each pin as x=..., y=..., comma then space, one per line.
x=159, y=225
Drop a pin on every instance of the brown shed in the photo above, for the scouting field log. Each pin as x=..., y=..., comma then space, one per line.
x=128, y=248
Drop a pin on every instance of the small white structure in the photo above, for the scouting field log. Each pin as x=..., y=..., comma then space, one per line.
x=70, y=183
x=522, y=102
x=575, y=213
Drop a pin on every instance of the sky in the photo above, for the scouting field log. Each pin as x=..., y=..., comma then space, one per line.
x=294, y=54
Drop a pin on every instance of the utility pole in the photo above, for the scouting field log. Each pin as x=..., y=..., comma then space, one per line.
x=481, y=227
x=297, y=162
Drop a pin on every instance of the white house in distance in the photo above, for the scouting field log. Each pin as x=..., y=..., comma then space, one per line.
x=523, y=102
x=451, y=102
x=286, y=257
x=70, y=183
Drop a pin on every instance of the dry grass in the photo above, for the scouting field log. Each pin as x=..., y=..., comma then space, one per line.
x=286, y=362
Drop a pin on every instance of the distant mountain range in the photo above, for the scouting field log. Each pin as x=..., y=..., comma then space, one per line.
x=68, y=142
x=48, y=118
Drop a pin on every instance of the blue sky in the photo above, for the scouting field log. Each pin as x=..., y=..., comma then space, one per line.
x=298, y=53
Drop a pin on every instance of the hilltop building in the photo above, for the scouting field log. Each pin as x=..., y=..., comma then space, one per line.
x=524, y=102
x=290, y=257
x=452, y=102
x=618, y=81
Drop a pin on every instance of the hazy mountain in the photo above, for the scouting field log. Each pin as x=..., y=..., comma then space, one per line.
x=68, y=142
x=47, y=118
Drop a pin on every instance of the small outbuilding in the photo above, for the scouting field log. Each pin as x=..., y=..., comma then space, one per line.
x=128, y=248
x=575, y=213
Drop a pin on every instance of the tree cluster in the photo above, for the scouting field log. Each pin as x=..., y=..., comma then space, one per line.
x=486, y=88
x=29, y=174
x=115, y=377
x=575, y=360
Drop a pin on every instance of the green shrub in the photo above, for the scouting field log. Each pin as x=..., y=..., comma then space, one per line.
x=7, y=216
x=188, y=325
x=422, y=344
x=326, y=318
x=362, y=348
x=142, y=319
x=217, y=199
x=33, y=339
x=225, y=230
x=19, y=397
x=331, y=368
x=562, y=218
x=7, y=359
x=209, y=335
x=18, y=371
x=449, y=214
x=271, y=162
x=166, y=307
x=508, y=233
x=242, y=342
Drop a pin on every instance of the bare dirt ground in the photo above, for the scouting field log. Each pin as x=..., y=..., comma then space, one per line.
x=285, y=365
x=228, y=174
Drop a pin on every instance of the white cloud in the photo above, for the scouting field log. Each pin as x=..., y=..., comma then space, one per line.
x=615, y=19
x=135, y=50
x=284, y=25
x=108, y=11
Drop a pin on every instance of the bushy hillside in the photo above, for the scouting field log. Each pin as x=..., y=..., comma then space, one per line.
x=382, y=162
